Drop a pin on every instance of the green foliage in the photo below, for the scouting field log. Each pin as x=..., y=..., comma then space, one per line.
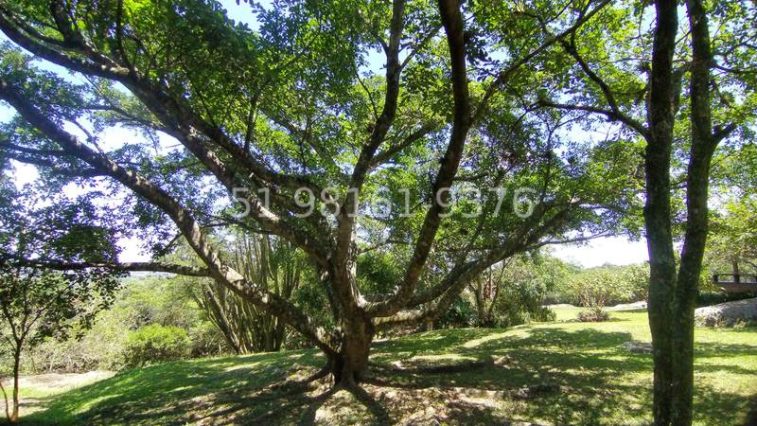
x=156, y=343
x=462, y=313
x=141, y=302
x=379, y=271
x=605, y=285
x=732, y=241
x=38, y=301
x=593, y=314
x=295, y=100
x=514, y=293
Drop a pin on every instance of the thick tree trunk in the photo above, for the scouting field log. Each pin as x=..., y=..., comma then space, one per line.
x=657, y=211
x=703, y=144
x=350, y=364
x=687, y=286
x=662, y=277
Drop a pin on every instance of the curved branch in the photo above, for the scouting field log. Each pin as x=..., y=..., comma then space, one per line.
x=380, y=129
x=615, y=113
x=610, y=114
x=448, y=289
x=387, y=154
x=182, y=217
x=504, y=76
x=180, y=121
x=452, y=21
x=171, y=268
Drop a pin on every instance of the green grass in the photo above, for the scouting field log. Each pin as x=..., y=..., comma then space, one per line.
x=593, y=380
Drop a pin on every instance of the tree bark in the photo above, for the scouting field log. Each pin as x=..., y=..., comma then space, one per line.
x=735, y=270
x=13, y=418
x=703, y=144
x=657, y=210
x=350, y=365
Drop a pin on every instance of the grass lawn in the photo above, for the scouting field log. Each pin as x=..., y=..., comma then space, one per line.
x=553, y=373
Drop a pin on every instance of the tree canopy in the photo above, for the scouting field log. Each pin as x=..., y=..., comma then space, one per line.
x=429, y=158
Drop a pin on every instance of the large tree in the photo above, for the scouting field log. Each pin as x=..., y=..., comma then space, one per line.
x=297, y=121
x=694, y=92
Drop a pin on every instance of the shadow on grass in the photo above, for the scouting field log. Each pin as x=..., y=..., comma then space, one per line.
x=591, y=377
x=179, y=392
x=587, y=366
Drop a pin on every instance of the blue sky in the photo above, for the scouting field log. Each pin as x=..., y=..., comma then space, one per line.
x=611, y=250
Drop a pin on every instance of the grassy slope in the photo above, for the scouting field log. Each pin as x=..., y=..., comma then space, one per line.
x=599, y=381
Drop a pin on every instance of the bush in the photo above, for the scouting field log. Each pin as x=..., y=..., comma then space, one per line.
x=462, y=313
x=606, y=286
x=156, y=343
x=141, y=302
x=206, y=340
x=520, y=304
x=595, y=314
x=543, y=314
x=513, y=293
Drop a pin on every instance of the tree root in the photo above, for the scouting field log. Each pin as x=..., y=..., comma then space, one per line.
x=436, y=369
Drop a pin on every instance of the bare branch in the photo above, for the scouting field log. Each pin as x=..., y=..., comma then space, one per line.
x=124, y=266
x=611, y=115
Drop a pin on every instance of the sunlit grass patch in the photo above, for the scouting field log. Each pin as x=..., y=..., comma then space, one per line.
x=547, y=373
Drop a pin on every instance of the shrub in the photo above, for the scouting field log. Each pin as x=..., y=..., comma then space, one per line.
x=156, y=343
x=462, y=313
x=543, y=314
x=595, y=314
x=206, y=340
x=513, y=293
x=606, y=285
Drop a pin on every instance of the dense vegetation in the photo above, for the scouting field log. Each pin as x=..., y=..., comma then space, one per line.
x=156, y=318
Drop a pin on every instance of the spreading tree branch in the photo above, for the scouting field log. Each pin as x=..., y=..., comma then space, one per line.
x=182, y=217
x=452, y=20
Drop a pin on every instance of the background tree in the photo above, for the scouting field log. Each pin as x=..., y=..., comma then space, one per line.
x=38, y=303
x=273, y=264
x=679, y=62
x=732, y=244
x=513, y=293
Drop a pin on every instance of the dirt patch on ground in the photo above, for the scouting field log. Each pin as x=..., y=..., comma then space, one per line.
x=52, y=383
x=57, y=382
x=433, y=405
